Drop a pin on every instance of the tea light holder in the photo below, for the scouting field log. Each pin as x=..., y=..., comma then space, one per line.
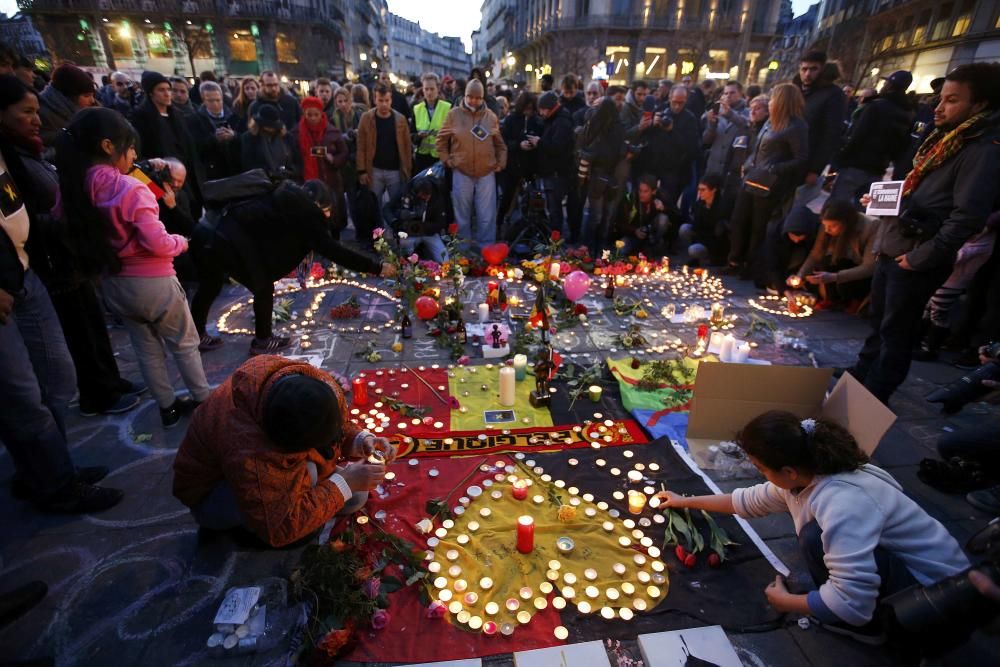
x=636, y=502
x=565, y=545
x=520, y=489
x=594, y=392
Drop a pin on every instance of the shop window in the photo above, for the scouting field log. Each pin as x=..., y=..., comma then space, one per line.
x=242, y=46
x=718, y=60
x=158, y=44
x=199, y=43
x=618, y=64
x=120, y=37
x=653, y=65
x=286, y=48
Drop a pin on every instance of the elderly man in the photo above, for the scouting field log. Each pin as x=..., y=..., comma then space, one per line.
x=592, y=94
x=212, y=128
x=673, y=145
x=471, y=144
x=428, y=119
x=272, y=93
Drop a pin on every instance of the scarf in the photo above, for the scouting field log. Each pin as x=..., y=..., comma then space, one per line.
x=938, y=148
x=308, y=137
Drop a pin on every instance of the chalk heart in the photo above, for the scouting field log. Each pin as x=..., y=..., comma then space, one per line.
x=496, y=253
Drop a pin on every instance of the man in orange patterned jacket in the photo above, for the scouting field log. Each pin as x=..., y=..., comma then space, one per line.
x=273, y=450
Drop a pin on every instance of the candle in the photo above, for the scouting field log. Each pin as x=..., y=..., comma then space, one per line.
x=636, y=501
x=520, y=366
x=520, y=489
x=525, y=534
x=360, y=391
x=554, y=270
x=718, y=312
x=594, y=391
x=484, y=312
x=507, y=384
x=716, y=340
x=728, y=345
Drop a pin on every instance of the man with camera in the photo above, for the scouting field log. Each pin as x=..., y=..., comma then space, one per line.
x=672, y=135
x=946, y=199
x=727, y=136
x=419, y=216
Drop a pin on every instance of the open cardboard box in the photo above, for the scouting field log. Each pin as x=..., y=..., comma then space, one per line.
x=727, y=396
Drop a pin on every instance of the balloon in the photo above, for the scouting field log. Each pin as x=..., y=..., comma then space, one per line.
x=496, y=253
x=427, y=307
x=575, y=285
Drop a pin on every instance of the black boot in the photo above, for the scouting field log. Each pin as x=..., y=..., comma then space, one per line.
x=931, y=343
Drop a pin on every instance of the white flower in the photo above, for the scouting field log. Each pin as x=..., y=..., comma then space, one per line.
x=518, y=274
x=606, y=255
x=583, y=317
x=402, y=236
x=424, y=526
x=808, y=425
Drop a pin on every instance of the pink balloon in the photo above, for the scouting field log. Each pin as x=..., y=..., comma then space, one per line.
x=575, y=285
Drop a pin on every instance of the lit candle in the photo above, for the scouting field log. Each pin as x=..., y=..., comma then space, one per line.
x=484, y=312
x=742, y=353
x=520, y=366
x=718, y=312
x=636, y=501
x=728, y=345
x=359, y=391
x=520, y=489
x=595, y=391
x=716, y=340
x=507, y=385
x=554, y=270
x=525, y=534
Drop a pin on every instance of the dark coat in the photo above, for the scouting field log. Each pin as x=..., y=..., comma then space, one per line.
x=149, y=123
x=879, y=135
x=274, y=153
x=409, y=214
x=220, y=159
x=555, y=148
x=783, y=153
x=288, y=109
x=515, y=128
x=671, y=151
x=826, y=111
x=55, y=110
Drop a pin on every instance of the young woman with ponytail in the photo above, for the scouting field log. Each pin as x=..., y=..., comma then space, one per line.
x=861, y=537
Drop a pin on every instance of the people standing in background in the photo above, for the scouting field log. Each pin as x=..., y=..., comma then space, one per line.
x=324, y=91
x=241, y=105
x=126, y=98
x=266, y=145
x=385, y=153
x=825, y=111
x=180, y=97
x=271, y=92
x=212, y=128
x=428, y=118
x=399, y=103
x=322, y=154
x=70, y=90
x=556, y=163
x=521, y=124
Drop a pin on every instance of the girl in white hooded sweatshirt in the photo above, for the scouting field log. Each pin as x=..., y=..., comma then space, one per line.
x=861, y=537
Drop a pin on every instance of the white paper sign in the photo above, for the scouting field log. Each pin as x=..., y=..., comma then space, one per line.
x=235, y=609
x=887, y=196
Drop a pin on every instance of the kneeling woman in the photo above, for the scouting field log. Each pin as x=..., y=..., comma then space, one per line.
x=861, y=537
x=269, y=451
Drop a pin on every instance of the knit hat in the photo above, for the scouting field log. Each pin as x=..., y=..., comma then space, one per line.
x=474, y=87
x=312, y=103
x=900, y=80
x=267, y=115
x=71, y=81
x=548, y=100
x=302, y=413
x=151, y=80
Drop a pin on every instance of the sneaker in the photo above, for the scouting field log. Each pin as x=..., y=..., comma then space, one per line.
x=124, y=403
x=987, y=500
x=270, y=345
x=209, y=343
x=870, y=633
x=19, y=601
x=80, y=498
x=87, y=474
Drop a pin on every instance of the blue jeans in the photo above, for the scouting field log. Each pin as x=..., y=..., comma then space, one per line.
x=385, y=181
x=37, y=382
x=433, y=244
x=479, y=194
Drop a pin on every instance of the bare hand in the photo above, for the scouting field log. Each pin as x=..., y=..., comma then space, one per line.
x=986, y=587
x=904, y=263
x=865, y=200
x=329, y=157
x=388, y=270
x=169, y=197
x=644, y=123
x=992, y=384
x=363, y=476
x=711, y=116
x=776, y=592
x=821, y=278
x=723, y=109
x=6, y=306
x=365, y=180
x=526, y=145
x=383, y=445
x=670, y=499
x=224, y=134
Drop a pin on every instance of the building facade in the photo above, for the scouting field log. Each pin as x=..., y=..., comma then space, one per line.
x=795, y=37
x=623, y=40
x=413, y=51
x=299, y=39
x=19, y=32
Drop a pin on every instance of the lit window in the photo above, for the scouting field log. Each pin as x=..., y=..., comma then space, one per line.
x=242, y=47
x=286, y=48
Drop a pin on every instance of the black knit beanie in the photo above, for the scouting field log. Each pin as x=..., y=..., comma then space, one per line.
x=302, y=413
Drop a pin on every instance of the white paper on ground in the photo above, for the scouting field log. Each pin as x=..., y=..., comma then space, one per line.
x=587, y=654
x=671, y=649
x=314, y=360
x=235, y=609
x=470, y=662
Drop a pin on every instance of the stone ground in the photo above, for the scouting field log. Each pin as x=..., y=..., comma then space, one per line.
x=139, y=584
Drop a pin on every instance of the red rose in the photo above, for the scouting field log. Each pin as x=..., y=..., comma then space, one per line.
x=453, y=228
x=680, y=553
x=690, y=561
x=714, y=560
x=579, y=309
x=555, y=235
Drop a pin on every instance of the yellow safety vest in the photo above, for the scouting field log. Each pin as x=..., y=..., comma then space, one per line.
x=424, y=123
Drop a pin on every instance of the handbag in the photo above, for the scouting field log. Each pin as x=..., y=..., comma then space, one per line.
x=759, y=182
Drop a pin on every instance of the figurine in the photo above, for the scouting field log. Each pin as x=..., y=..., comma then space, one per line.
x=543, y=369
x=497, y=336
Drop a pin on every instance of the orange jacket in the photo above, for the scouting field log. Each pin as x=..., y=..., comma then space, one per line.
x=226, y=443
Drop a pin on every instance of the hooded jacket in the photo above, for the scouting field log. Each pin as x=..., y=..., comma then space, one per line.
x=826, y=111
x=474, y=156
x=226, y=443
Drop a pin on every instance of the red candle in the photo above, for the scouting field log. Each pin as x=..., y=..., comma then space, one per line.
x=360, y=391
x=492, y=293
x=525, y=534
x=520, y=489
x=703, y=333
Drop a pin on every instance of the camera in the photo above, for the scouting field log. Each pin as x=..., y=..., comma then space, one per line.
x=943, y=614
x=969, y=387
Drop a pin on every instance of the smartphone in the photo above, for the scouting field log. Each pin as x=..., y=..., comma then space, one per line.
x=716, y=108
x=318, y=151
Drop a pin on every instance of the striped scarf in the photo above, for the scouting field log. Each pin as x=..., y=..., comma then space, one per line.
x=939, y=146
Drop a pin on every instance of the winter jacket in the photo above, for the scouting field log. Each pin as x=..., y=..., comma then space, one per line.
x=826, y=111
x=274, y=153
x=140, y=240
x=226, y=444
x=55, y=110
x=879, y=135
x=971, y=256
x=859, y=251
x=329, y=172
x=220, y=159
x=288, y=108
x=781, y=152
x=605, y=149
x=515, y=128
x=463, y=151
x=728, y=138
x=956, y=198
x=154, y=142
x=367, y=138
x=409, y=214
x=555, y=147
x=857, y=512
x=671, y=151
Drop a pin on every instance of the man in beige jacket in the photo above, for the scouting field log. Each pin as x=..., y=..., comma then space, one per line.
x=471, y=145
x=385, y=154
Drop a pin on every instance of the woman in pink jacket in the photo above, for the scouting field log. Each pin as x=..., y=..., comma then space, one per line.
x=114, y=223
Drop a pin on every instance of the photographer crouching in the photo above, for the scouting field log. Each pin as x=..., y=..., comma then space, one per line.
x=419, y=216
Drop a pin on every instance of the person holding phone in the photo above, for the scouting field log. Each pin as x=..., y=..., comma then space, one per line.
x=273, y=450
x=323, y=153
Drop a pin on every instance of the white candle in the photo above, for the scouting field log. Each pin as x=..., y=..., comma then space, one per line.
x=484, y=312
x=742, y=353
x=507, y=384
x=716, y=340
x=728, y=345
x=554, y=271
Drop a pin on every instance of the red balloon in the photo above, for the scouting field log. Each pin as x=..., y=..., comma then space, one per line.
x=427, y=307
x=496, y=253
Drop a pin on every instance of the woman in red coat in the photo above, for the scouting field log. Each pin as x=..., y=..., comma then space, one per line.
x=323, y=153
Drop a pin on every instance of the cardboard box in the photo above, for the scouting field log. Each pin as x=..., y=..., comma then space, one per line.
x=727, y=396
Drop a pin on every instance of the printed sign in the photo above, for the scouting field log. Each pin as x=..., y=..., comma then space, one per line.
x=886, y=198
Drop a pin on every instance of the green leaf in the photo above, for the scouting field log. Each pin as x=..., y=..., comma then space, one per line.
x=391, y=584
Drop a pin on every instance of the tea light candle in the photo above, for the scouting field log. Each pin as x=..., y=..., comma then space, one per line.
x=506, y=629
x=525, y=534
x=568, y=592
x=561, y=633
x=540, y=603
x=634, y=476
x=552, y=575
x=607, y=613
x=590, y=573
x=618, y=568
x=639, y=604
x=455, y=606
x=608, y=526
x=460, y=585
x=485, y=512
x=523, y=617
x=475, y=623
x=569, y=578
x=628, y=588
x=559, y=603
x=520, y=489
x=507, y=386
x=454, y=571
x=520, y=366
x=716, y=340
x=525, y=593
x=512, y=604
x=592, y=592
x=538, y=500
x=594, y=392
x=492, y=608
x=583, y=607
x=452, y=554
x=484, y=312
x=489, y=628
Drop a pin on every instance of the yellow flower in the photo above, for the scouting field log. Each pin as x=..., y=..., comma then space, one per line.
x=641, y=314
x=397, y=347
x=619, y=244
x=539, y=276
x=566, y=513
